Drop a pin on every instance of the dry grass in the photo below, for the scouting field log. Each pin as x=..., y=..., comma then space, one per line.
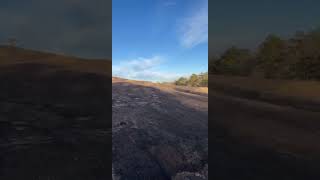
x=11, y=56
x=166, y=86
x=193, y=90
x=281, y=115
x=292, y=88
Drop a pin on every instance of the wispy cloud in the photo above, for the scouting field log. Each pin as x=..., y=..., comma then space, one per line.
x=194, y=29
x=143, y=69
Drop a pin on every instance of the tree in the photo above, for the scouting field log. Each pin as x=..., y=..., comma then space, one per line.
x=295, y=58
x=214, y=66
x=181, y=81
x=233, y=61
x=203, y=80
x=194, y=80
x=270, y=55
x=307, y=56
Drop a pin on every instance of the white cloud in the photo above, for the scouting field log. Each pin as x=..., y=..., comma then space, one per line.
x=194, y=29
x=143, y=69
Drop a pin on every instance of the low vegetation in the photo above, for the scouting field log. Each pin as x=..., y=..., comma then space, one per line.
x=276, y=58
x=10, y=55
x=195, y=80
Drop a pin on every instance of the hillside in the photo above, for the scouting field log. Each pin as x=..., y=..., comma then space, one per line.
x=12, y=56
x=158, y=131
x=55, y=116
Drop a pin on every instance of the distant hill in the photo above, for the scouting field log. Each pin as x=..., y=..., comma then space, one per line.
x=51, y=77
x=13, y=55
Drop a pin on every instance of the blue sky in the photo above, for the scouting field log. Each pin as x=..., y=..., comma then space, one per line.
x=159, y=40
x=152, y=39
x=246, y=23
x=74, y=27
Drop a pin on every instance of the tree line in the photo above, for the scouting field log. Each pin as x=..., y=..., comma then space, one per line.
x=294, y=58
x=195, y=80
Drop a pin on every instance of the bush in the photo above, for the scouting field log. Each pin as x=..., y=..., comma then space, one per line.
x=295, y=58
x=194, y=80
x=182, y=81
